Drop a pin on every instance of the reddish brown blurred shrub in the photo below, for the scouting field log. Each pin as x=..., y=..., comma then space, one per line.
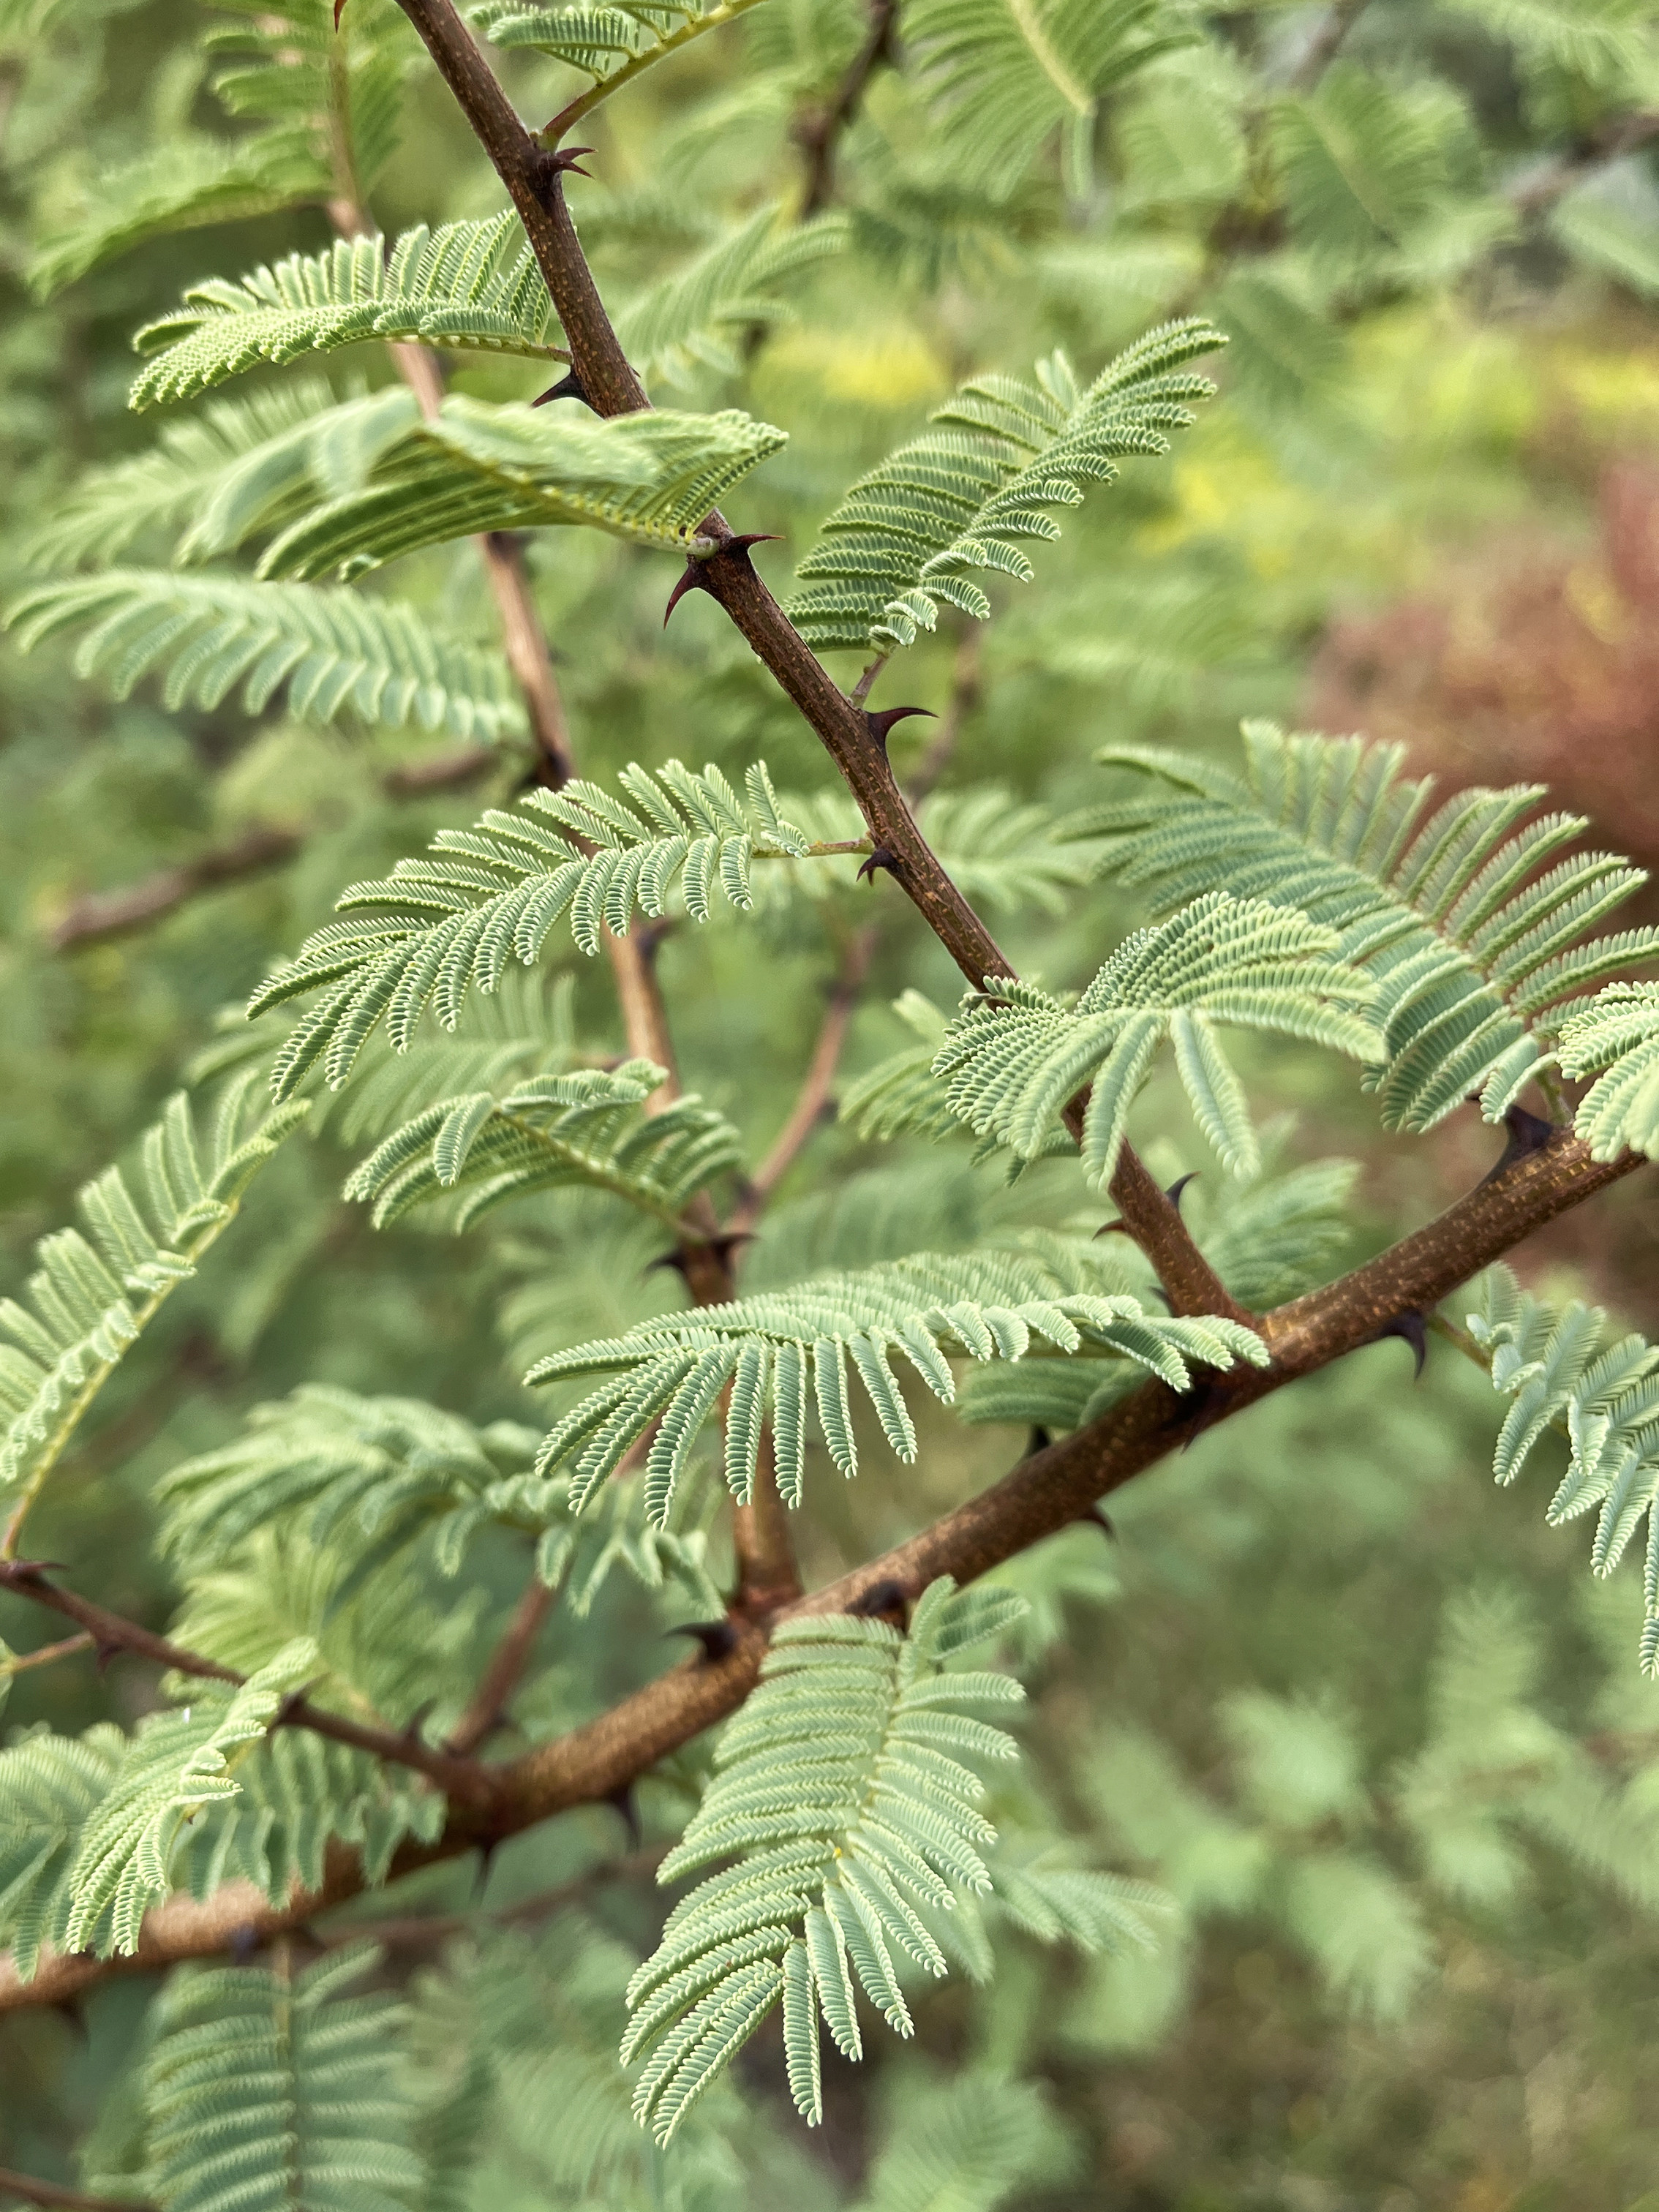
x=1527, y=663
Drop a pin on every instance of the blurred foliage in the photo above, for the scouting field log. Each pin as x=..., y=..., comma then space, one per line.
x=1353, y=1712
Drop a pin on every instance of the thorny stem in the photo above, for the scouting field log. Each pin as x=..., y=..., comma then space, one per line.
x=1048, y=1489
x=536, y=185
x=1044, y=1494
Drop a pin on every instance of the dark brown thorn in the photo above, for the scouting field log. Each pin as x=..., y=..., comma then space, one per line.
x=882, y=1599
x=881, y=858
x=68, y=2009
x=1412, y=1326
x=623, y=1801
x=569, y=158
x=339, y=10
x=245, y=1937
x=1198, y=1409
x=718, y=1638
x=723, y=1246
x=1174, y=1191
x=879, y=725
x=569, y=387
x=1039, y=1440
x=693, y=580
x=486, y=1863
x=1096, y=1517
x=102, y=1653
x=412, y=1728
x=1527, y=1133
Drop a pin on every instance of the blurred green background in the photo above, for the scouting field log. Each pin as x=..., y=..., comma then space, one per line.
x=1366, y=1719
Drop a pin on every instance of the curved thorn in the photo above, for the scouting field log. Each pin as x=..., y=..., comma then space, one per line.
x=1412, y=1325
x=569, y=387
x=718, y=1638
x=881, y=858
x=879, y=725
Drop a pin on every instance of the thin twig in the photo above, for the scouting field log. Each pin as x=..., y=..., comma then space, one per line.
x=44, y=1654
x=812, y=1099
x=461, y=1780
x=1327, y=41
x=1537, y=194
x=967, y=688
x=416, y=1930
x=100, y=915
x=506, y=1670
x=818, y=133
x=49, y=2193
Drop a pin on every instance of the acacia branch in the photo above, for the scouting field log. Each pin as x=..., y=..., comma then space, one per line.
x=534, y=179
x=1044, y=1494
x=461, y=1780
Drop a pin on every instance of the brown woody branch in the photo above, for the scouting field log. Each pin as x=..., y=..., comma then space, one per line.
x=1043, y=1494
x=461, y=1780
x=1047, y=1490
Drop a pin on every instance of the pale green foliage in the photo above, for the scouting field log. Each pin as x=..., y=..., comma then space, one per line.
x=776, y=1348
x=90, y=1827
x=610, y=40
x=500, y=888
x=697, y=317
x=94, y=1294
x=965, y=494
x=1014, y=1058
x=902, y=1095
x=649, y=479
x=1006, y=75
x=368, y=1479
x=1615, y=1038
x=332, y=655
x=469, y=286
x=1467, y=921
x=1610, y=224
x=326, y=105
x=968, y=2144
x=240, y=465
x=839, y=1848
x=1603, y=1398
x=265, y=2089
x=1363, y=163
x=998, y=851
x=548, y=1132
